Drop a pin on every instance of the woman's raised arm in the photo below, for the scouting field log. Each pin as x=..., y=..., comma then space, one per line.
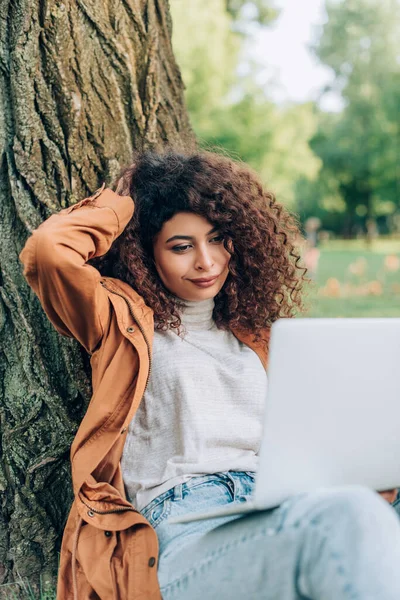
x=55, y=257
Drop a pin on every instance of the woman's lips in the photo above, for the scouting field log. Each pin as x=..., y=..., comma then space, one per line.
x=204, y=283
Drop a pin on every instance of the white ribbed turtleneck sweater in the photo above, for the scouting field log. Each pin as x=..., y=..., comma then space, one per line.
x=202, y=409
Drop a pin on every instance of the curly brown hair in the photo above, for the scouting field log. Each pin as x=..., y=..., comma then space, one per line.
x=265, y=278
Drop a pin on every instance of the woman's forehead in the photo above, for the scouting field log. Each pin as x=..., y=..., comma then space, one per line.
x=186, y=223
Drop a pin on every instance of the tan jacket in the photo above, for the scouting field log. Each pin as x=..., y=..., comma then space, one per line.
x=109, y=550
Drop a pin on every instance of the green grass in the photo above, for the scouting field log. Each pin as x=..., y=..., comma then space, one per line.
x=381, y=245
x=336, y=256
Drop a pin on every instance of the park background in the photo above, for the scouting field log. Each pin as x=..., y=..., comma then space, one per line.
x=308, y=93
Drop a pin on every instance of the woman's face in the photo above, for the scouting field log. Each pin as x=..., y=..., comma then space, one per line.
x=188, y=249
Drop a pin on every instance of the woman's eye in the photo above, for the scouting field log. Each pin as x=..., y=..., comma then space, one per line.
x=218, y=239
x=180, y=248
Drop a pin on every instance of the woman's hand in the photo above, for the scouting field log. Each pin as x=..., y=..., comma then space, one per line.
x=389, y=495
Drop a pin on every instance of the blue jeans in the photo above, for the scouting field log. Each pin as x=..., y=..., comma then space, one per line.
x=341, y=544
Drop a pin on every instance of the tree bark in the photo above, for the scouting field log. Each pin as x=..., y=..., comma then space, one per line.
x=82, y=84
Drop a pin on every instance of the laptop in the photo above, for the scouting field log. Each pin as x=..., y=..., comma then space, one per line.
x=332, y=413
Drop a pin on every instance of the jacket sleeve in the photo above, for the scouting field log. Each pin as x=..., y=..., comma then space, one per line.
x=55, y=257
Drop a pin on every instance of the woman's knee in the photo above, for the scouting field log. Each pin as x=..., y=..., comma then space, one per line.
x=353, y=506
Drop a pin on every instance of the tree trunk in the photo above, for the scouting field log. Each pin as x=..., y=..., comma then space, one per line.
x=83, y=83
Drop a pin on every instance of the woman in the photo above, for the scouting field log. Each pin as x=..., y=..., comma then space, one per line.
x=171, y=284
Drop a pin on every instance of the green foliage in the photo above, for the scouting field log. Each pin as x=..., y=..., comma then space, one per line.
x=230, y=111
x=207, y=51
x=289, y=157
x=341, y=167
x=261, y=10
x=359, y=147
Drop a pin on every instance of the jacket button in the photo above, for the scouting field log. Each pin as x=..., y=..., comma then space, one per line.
x=130, y=329
x=152, y=561
x=108, y=533
x=90, y=513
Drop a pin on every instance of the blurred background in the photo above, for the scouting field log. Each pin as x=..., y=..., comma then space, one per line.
x=308, y=93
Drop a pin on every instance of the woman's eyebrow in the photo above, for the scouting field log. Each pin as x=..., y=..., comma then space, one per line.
x=189, y=237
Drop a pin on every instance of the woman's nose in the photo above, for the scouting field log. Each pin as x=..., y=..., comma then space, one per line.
x=204, y=260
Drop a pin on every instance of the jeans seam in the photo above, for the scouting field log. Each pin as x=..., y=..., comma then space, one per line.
x=187, y=487
x=146, y=510
x=165, y=513
x=217, y=553
x=222, y=550
x=324, y=532
x=220, y=482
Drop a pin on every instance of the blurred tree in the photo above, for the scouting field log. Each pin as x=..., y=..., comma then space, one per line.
x=208, y=52
x=289, y=155
x=360, y=146
x=81, y=85
x=261, y=11
x=231, y=110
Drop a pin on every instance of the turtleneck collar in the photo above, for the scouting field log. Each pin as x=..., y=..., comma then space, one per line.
x=197, y=314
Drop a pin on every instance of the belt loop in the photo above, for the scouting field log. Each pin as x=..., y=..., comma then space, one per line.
x=234, y=484
x=178, y=495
